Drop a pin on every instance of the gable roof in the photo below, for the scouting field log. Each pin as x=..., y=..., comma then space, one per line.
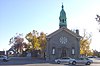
x=66, y=30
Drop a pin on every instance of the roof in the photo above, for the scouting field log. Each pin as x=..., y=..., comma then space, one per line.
x=66, y=30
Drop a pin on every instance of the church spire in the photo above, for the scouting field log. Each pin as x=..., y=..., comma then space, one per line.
x=62, y=6
x=62, y=18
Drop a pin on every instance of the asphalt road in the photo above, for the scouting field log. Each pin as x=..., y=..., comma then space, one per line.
x=27, y=61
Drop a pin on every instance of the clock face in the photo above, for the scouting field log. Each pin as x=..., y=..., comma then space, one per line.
x=63, y=40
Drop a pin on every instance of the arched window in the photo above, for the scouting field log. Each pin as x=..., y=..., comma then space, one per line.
x=63, y=20
x=73, y=50
x=53, y=50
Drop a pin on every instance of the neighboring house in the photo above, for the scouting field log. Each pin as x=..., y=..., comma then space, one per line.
x=12, y=52
x=63, y=42
x=2, y=52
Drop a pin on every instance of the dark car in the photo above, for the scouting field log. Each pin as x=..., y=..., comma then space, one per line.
x=4, y=58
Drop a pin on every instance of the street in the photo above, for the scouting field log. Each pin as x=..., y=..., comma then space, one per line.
x=26, y=61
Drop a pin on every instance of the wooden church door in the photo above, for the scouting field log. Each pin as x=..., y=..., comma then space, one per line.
x=63, y=52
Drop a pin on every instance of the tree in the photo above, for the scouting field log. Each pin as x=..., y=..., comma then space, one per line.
x=32, y=38
x=17, y=43
x=98, y=20
x=37, y=42
x=85, y=44
x=42, y=42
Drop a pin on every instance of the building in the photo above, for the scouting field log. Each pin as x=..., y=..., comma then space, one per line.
x=2, y=52
x=63, y=42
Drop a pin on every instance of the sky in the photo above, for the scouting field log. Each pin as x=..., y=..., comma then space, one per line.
x=23, y=16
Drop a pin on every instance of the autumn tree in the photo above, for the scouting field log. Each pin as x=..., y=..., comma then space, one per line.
x=17, y=44
x=42, y=42
x=36, y=41
x=32, y=37
x=85, y=44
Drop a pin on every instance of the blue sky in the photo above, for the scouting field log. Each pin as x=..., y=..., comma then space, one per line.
x=23, y=16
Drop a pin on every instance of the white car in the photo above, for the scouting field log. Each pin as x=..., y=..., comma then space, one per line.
x=4, y=58
x=81, y=61
x=63, y=60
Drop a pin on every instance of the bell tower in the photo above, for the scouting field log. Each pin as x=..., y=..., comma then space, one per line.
x=62, y=18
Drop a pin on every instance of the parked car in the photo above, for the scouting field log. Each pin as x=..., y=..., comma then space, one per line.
x=92, y=57
x=82, y=61
x=4, y=58
x=63, y=60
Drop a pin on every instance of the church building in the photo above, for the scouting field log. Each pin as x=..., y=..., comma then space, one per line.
x=63, y=42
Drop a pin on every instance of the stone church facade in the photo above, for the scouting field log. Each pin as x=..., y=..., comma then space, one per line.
x=63, y=42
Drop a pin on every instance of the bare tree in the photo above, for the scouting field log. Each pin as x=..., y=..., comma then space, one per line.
x=17, y=43
x=98, y=20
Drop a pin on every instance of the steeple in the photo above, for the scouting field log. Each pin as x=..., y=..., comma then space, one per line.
x=62, y=18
